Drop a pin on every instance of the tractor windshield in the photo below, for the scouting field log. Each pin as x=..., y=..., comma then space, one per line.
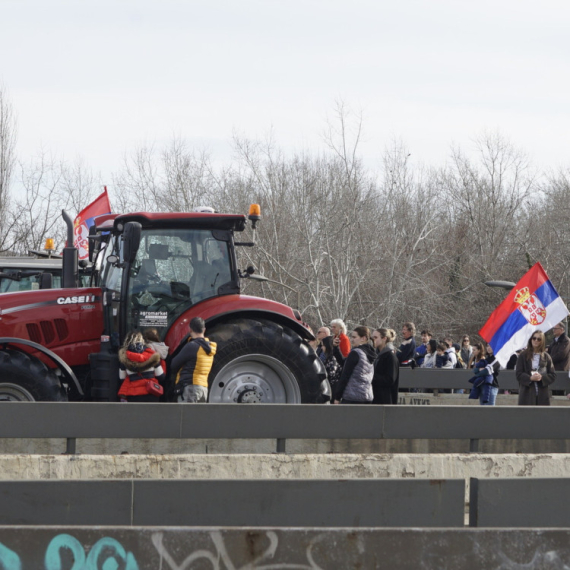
x=176, y=268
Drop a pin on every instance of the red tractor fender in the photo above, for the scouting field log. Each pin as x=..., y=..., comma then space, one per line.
x=225, y=307
x=65, y=369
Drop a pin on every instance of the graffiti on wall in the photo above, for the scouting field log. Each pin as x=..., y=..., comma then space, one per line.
x=106, y=554
x=65, y=552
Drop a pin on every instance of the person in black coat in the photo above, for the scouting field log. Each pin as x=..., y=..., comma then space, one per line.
x=386, y=368
x=559, y=349
x=407, y=349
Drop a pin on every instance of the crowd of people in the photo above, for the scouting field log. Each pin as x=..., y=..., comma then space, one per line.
x=363, y=366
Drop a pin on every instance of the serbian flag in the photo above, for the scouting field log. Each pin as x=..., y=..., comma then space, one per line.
x=532, y=304
x=85, y=220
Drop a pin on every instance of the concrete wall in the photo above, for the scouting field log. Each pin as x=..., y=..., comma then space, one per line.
x=221, y=548
x=281, y=466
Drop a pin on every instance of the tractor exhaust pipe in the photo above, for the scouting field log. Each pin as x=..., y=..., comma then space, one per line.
x=70, y=257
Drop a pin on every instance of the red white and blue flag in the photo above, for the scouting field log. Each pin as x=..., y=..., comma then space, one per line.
x=533, y=304
x=85, y=220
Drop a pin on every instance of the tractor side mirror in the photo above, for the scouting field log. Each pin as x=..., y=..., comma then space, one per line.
x=131, y=241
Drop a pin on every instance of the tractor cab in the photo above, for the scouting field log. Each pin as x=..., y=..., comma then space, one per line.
x=153, y=267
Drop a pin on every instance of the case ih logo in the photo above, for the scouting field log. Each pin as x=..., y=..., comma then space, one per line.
x=530, y=306
x=75, y=300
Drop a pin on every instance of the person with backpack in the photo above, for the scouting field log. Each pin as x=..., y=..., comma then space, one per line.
x=140, y=370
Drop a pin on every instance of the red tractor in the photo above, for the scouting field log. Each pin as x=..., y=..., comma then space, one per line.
x=159, y=271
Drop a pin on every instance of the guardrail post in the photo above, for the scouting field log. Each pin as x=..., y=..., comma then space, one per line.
x=473, y=501
x=281, y=445
x=70, y=446
x=473, y=445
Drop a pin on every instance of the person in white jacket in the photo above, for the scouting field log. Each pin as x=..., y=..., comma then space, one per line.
x=450, y=353
x=429, y=359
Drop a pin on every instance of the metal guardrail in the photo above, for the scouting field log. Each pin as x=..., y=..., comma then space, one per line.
x=279, y=421
x=519, y=502
x=236, y=503
x=313, y=503
x=439, y=379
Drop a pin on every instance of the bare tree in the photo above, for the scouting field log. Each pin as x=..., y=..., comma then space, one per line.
x=137, y=185
x=176, y=179
x=80, y=183
x=8, y=133
x=544, y=233
x=188, y=178
x=488, y=195
x=37, y=213
x=314, y=241
x=411, y=227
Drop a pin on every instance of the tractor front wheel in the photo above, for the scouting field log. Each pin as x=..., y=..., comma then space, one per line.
x=25, y=379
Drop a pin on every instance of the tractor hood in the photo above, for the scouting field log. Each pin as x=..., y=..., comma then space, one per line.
x=67, y=321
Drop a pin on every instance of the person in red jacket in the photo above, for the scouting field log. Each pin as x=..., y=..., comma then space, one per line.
x=338, y=330
x=140, y=370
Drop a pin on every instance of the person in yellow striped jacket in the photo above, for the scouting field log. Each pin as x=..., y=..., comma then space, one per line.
x=193, y=364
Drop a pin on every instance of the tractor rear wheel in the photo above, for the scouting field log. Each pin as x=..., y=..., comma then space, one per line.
x=25, y=378
x=258, y=360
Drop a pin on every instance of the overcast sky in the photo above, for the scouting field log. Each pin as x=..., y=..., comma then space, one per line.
x=97, y=78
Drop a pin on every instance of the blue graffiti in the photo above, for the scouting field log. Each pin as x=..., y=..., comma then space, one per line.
x=106, y=554
x=64, y=542
x=9, y=560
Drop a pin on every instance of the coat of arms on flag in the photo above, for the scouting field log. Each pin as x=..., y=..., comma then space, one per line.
x=85, y=220
x=532, y=304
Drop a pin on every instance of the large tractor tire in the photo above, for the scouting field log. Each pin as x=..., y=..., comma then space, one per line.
x=259, y=361
x=24, y=378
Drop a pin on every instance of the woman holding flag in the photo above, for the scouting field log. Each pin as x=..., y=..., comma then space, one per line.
x=535, y=372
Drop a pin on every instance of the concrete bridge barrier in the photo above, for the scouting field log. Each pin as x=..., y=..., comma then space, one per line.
x=283, y=466
x=223, y=548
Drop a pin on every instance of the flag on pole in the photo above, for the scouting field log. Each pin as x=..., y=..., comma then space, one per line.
x=85, y=220
x=532, y=304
